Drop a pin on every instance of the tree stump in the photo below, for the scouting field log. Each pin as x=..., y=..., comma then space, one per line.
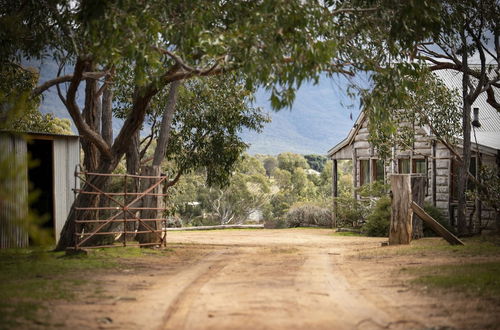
x=418, y=195
x=401, y=217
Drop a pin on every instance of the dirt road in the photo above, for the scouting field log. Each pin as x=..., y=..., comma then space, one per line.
x=265, y=279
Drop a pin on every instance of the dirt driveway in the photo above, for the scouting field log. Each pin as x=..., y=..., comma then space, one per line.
x=268, y=279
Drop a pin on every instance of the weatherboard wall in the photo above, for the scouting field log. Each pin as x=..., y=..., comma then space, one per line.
x=438, y=161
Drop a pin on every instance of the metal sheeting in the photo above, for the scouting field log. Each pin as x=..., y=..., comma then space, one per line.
x=488, y=116
x=14, y=198
x=66, y=156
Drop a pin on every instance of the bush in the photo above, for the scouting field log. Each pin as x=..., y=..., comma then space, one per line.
x=438, y=216
x=304, y=215
x=350, y=212
x=378, y=222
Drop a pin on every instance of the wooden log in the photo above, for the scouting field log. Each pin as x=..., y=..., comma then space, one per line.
x=217, y=227
x=418, y=195
x=436, y=226
x=401, y=216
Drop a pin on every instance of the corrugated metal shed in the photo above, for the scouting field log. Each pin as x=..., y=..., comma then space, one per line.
x=62, y=153
x=14, y=202
x=66, y=156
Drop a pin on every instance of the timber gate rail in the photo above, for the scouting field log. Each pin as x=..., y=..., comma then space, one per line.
x=121, y=209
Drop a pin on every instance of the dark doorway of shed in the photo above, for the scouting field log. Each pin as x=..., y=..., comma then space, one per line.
x=41, y=178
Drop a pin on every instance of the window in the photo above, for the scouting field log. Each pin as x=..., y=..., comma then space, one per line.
x=420, y=166
x=404, y=166
x=379, y=171
x=364, y=171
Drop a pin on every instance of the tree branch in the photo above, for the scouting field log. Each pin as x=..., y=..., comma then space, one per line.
x=75, y=113
x=64, y=79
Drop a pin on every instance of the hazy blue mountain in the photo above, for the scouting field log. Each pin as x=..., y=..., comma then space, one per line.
x=51, y=102
x=320, y=117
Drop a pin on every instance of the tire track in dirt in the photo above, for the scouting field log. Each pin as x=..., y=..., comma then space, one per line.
x=198, y=276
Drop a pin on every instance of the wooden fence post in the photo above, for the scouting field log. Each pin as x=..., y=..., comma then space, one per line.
x=418, y=195
x=401, y=216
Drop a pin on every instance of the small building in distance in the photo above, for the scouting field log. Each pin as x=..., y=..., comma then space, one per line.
x=50, y=175
x=429, y=158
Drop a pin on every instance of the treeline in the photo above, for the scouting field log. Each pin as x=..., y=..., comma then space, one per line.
x=283, y=190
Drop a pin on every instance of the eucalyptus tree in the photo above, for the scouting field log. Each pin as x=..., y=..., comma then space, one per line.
x=277, y=44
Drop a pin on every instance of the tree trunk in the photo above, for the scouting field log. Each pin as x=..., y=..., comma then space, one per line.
x=418, y=194
x=132, y=156
x=153, y=202
x=108, y=158
x=132, y=160
x=68, y=238
x=464, y=168
x=401, y=216
x=92, y=116
x=107, y=115
x=166, y=124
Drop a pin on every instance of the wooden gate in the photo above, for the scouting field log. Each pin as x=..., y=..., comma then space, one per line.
x=120, y=210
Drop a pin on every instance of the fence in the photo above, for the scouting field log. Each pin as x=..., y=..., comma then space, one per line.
x=129, y=206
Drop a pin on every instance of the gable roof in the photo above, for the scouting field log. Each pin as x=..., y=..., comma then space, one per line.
x=487, y=135
x=350, y=136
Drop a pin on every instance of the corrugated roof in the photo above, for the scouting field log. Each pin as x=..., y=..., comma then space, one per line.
x=489, y=132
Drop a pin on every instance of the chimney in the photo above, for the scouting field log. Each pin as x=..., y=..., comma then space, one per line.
x=475, y=121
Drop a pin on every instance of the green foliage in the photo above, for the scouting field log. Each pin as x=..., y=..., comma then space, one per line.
x=375, y=189
x=405, y=97
x=316, y=162
x=289, y=161
x=200, y=204
x=378, y=222
x=15, y=87
x=438, y=215
x=210, y=115
x=307, y=214
x=270, y=163
x=351, y=212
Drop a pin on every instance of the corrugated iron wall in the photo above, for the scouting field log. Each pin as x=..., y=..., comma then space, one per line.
x=14, y=191
x=66, y=157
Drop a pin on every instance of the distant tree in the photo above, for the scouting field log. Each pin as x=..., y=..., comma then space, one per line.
x=248, y=191
x=270, y=163
x=289, y=161
x=316, y=162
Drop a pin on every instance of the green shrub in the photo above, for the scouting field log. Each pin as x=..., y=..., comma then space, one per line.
x=438, y=216
x=378, y=222
x=350, y=212
x=304, y=215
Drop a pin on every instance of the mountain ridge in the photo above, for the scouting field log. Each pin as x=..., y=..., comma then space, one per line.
x=317, y=120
